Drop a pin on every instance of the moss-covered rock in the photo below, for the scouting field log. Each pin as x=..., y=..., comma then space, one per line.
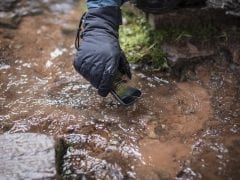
x=143, y=44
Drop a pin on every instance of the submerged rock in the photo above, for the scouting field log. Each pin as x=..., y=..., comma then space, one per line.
x=27, y=156
x=95, y=157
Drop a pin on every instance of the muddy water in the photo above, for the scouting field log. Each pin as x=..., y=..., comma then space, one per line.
x=188, y=130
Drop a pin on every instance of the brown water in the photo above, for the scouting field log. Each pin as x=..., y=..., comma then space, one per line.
x=188, y=130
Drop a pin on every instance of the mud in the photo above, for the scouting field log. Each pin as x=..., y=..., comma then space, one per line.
x=177, y=130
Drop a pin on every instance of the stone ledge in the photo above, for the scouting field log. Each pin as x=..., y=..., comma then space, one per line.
x=27, y=156
x=188, y=17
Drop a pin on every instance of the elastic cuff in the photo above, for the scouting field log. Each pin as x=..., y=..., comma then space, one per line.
x=91, y=4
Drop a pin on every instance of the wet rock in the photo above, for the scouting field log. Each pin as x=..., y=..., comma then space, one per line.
x=27, y=156
x=186, y=173
x=232, y=7
x=180, y=56
x=9, y=19
x=29, y=11
x=69, y=29
x=193, y=18
x=225, y=54
x=231, y=55
x=215, y=3
x=62, y=6
x=94, y=157
x=183, y=59
x=12, y=11
x=236, y=54
x=7, y=5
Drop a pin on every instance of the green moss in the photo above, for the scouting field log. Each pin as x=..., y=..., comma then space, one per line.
x=133, y=38
x=141, y=43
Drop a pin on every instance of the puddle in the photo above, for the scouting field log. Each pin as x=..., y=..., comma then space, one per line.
x=176, y=130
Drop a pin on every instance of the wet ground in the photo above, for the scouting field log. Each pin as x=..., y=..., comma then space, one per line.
x=179, y=129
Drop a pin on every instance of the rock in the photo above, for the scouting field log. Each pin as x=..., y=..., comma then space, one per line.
x=225, y=54
x=10, y=16
x=69, y=29
x=231, y=54
x=9, y=19
x=185, y=55
x=27, y=156
x=186, y=173
x=193, y=18
x=236, y=54
x=183, y=59
x=29, y=11
x=231, y=7
x=93, y=157
x=61, y=6
x=7, y=5
x=215, y=3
